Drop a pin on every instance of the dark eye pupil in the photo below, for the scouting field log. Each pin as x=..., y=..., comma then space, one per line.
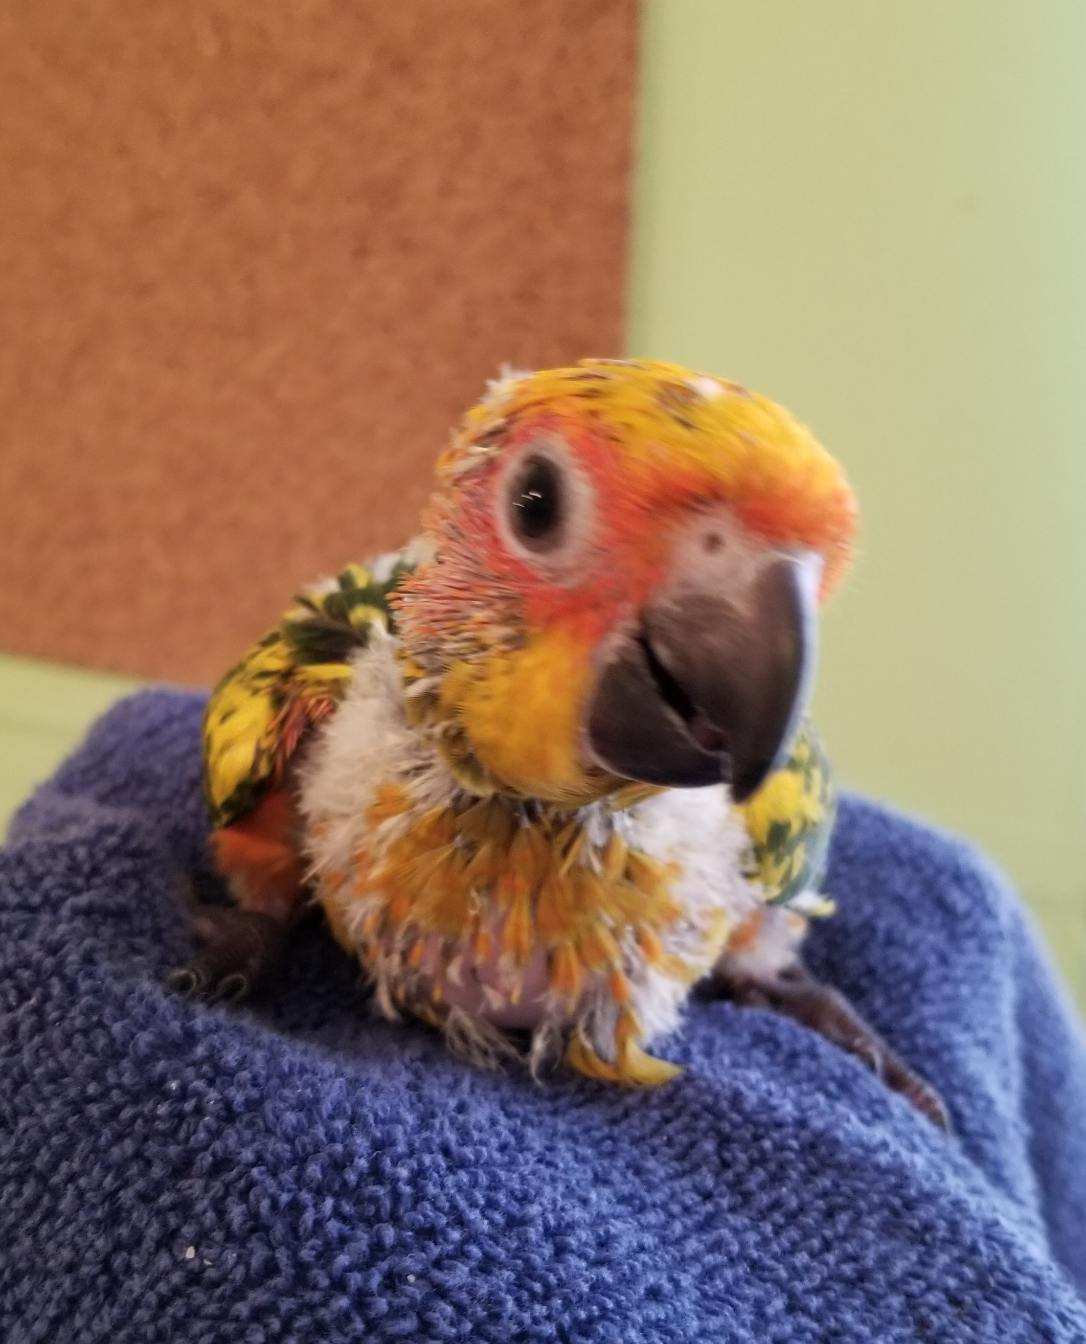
x=537, y=501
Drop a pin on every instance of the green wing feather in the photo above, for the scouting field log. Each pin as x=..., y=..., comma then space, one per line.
x=290, y=680
x=790, y=821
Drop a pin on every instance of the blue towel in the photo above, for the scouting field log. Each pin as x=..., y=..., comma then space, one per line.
x=301, y=1172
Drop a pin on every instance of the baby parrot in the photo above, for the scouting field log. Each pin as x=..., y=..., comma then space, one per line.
x=546, y=769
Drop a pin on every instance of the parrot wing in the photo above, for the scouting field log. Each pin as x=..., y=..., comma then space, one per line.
x=294, y=677
x=789, y=821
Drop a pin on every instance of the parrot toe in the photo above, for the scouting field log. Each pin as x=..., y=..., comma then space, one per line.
x=796, y=994
x=183, y=980
x=237, y=950
x=233, y=988
x=922, y=1095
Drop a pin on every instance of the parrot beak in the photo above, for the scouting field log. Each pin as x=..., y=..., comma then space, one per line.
x=710, y=686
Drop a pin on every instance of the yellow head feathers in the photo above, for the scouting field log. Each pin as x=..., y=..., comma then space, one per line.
x=702, y=432
x=573, y=502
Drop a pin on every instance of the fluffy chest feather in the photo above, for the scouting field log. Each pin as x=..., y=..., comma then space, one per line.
x=584, y=927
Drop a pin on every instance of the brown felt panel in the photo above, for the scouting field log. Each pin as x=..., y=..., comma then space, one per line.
x=255, y=259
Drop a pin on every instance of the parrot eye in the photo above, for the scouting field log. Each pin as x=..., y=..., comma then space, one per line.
x=536, y=504
x=544, y=504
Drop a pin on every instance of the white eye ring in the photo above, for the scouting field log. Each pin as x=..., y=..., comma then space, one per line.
x=544, y=503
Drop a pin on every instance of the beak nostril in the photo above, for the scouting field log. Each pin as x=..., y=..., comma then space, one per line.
x=712, y=542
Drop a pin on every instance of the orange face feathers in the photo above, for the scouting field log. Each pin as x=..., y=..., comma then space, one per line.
x=658, y=439
x=568, y=501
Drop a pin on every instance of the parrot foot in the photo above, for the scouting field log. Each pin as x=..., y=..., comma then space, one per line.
x=237, y=950
x=798, y=995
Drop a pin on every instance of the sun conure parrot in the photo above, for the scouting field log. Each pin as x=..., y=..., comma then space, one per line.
x=546, y=769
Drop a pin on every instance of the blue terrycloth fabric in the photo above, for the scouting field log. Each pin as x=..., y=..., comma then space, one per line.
x=302, y=1173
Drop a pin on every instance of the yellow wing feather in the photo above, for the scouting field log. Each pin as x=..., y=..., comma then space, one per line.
x=789, y=821
x=287, y=682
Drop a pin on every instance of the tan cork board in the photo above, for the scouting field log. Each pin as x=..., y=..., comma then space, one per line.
x=255, y=260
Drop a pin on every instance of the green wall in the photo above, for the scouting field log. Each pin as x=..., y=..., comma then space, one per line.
x=876, y=213
x=44, y=711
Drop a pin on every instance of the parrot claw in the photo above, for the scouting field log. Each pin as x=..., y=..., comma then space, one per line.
x=796, y=994
x=237, y=949
x=232, y=988
x=183, y=981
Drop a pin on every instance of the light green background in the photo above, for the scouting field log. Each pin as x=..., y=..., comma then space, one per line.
x=44, y=711
x=876, y=213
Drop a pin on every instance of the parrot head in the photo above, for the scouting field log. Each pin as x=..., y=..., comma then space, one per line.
x=625, y=563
